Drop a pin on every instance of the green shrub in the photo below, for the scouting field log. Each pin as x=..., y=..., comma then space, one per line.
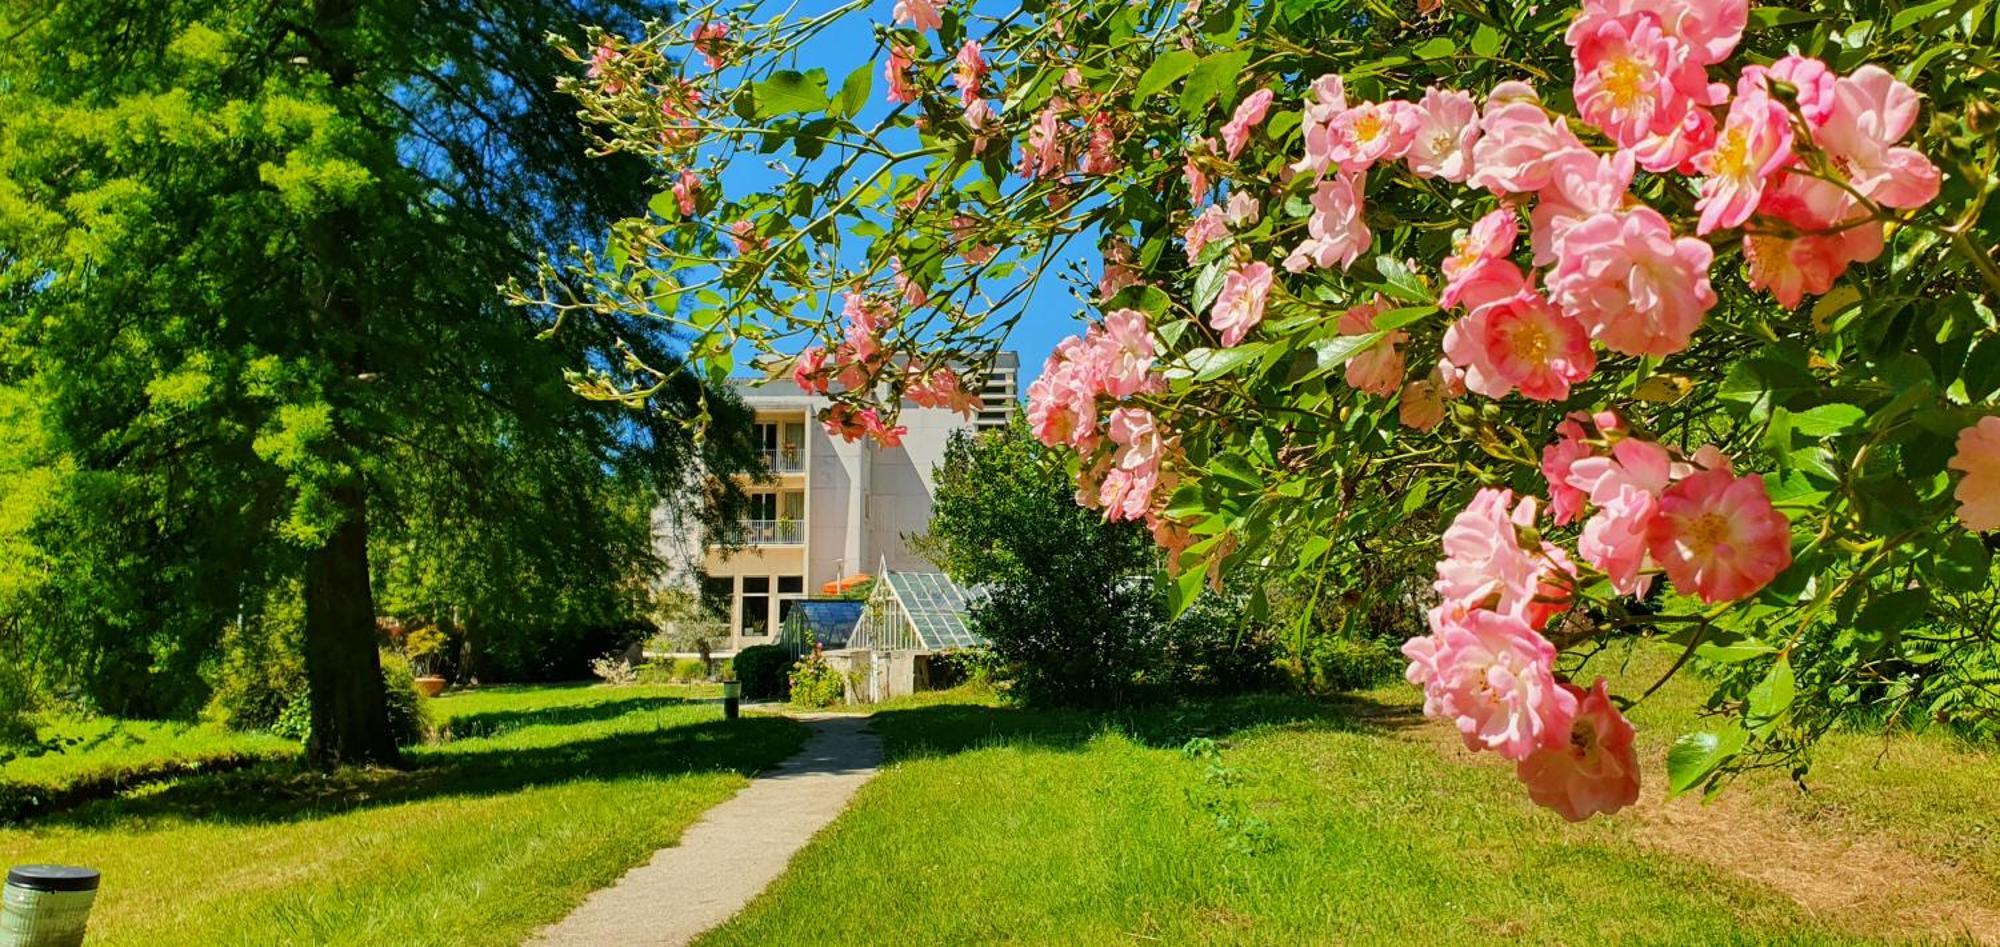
x=815, y=683
x=17, y=698
x=1214, y=648
x=762, y=669
x=409, y=710
x=689, y=670
x=261, y=669
x=1332, y=663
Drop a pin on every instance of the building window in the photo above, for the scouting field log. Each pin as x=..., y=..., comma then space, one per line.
x=791, y=588
x=756, y=619
x=776, y=518
x=718, y=593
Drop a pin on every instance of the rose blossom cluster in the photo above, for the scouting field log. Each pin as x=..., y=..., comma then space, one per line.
x=1610, y=270
x=1713, y=533
x=1123, y=470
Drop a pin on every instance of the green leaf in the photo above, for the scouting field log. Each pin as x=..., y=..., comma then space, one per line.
x=1437, y=47
x=1771, y=697
x=663, y=205
x=1893, y=612
x=1164, y=71
x=1399, y=281
x=1827, y=419
x=789, y=91
x=1185, y=589
x=1485, y=40
x=1215, y=78
x=854, y=91
x=1331, y=353
x=1964, y=564
x=1982, y=369
x=1209, y=364
x=1696, y=756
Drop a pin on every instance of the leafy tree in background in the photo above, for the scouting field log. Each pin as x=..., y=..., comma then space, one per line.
x=1070, y=607
x=249, y=334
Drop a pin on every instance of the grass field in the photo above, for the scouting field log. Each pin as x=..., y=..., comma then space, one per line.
x=541, y=795
x=1354, y=821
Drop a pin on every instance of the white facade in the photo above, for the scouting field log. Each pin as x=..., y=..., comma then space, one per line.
x=834, y=508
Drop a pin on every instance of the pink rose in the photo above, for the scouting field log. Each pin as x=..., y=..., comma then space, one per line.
x=1595, y=771
x=1517, y=142
x=1872, y=111
x=919, y=14
x=1336, y=233
x=1494, y=678
x=1369, y=133
x=1128, y=353
x=1801, y=245
x=1326, y=98
x=1485, y=566
x=1581, y=185
x=1490, y=239
x=1631, y=284
x=809, y=370
x=1710, y=29
x=1212, y=225
x=1809, y=76
x=710, y=40
x=1240, y=305
x=1242, y=211
x=1519, y=341
x=970, y=73
x=1249, y=114
x=897, y=72
x=1377, y=369
x=1447, y=127
x=1675, y=150
x=1632, y=80
x=687, y=189
x=1754, y=144
x=1978, y=457
x=1717, y=536
x=1565, y=501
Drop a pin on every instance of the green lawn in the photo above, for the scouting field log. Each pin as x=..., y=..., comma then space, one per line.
x=1322, y=822
x=542, y=795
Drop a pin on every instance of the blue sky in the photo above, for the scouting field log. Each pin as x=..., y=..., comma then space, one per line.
x=1053, y=312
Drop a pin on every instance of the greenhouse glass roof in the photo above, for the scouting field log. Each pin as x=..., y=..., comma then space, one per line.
x=831, y=621
x=917, y=610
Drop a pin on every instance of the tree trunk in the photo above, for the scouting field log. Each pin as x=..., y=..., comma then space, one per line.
x=350, y=719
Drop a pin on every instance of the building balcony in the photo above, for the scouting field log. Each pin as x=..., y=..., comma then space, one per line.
x=785, y=460
x=773, y=532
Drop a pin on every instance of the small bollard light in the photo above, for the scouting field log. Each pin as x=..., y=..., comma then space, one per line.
x=732, y=699
x=46, y=905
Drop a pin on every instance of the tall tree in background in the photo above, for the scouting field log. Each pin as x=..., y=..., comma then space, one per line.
x=248, y=258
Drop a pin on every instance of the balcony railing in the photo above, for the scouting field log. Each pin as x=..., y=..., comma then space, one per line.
x=785, y=459
x=773, y=532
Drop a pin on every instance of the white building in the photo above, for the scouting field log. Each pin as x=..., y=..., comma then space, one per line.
x=834, y=509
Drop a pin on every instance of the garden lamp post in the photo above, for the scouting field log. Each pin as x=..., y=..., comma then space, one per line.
x=46, y=905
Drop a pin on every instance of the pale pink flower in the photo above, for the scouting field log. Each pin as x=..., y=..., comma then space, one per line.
x=1872, y=111
x=1518, y=142
x=1717, y=536
x=844, y=422
x=1675, y=149
x=1494, y=677
x=1336, y=233
x=1633, y=464
x=809, y=370
x=1615, y=540
x=970, y=73
x=1100, y=155
x=1489, y=240
x=687, y=188
x=710, y=40
x=743, y=236
x=1377, y=369
x=1449, y=378
x=1242, y=210
x=1813, y=80
x=1126, y=494
x=1447, y=128
x=1631, y=283
x=1485, y=566
x=915, y=296
x=1137, y=436
x=1519, y=341
x=1197, y=180
x=1369, y=133
x=1812, y=247
x=1632, y=80
x=1128, y=353
x=1062, y=403
x=1581, y=185
x=1326, y=98
x=1042, y=153
x=1709, y=28
x=1211, y=225
x=1240, y=305
x=1249, y=114
x=919, y=14
x=897, y=71
x=1565, y=501
x=1421, y=406
x=1978, y=457
x=1754, y=144
x=871, y=424
x=1596, y=770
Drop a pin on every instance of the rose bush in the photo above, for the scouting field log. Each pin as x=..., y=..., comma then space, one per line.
x=1735, y=389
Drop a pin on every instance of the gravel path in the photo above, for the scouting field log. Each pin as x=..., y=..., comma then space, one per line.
x=738, y=848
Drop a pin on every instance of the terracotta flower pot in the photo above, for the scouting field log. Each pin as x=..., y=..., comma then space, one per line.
x=431, y=686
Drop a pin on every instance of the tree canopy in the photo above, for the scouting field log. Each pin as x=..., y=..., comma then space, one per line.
x=250, y=337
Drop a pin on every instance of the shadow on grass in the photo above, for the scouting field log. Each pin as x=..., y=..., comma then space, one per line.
x=943, y=729
x=491, y=723
x=281, y=792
